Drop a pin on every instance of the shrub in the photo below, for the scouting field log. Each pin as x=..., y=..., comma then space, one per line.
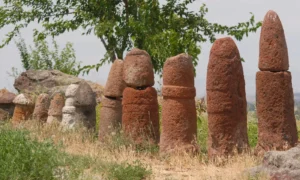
x=22, y=158
x=125, y=171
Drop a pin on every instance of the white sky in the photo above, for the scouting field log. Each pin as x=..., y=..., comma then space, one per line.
x=89, y=49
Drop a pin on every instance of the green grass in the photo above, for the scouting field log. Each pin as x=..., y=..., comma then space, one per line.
x=23, y=158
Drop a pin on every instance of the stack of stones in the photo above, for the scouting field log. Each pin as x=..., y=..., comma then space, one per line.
x=41, y=108
x=274, y=93
x=179, y=120
x=111, y=110
x=55, y=110
x=226, y=100
x=24, y=106
x=79, y=107
x=140, y=119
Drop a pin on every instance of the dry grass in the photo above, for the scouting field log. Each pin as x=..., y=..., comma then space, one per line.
x=84, y=143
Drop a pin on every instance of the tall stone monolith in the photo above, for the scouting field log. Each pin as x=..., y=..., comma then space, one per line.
x=226, y=100
x=140, y=119
x=41, y=108
x=111, y=107
x=277, y=128
x=179, y=120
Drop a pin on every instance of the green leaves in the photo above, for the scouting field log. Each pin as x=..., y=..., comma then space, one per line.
x=163, y=30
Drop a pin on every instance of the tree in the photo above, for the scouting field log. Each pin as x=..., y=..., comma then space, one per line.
x=42, y=57
x=163, y=30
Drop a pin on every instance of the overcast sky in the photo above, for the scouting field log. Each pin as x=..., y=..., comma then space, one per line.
x=89, y=49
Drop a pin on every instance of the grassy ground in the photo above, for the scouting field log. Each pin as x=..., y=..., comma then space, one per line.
x=35, y=151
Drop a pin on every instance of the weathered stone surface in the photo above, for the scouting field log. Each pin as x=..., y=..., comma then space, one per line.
x=4, y=115
x=140, y=118
x=110, y=117
x=226, y=100
x=6, y=102
x=24, y=99
x=138, y=69
x=115, y=84
x=51, y=82
x=41, y=108
x=56, y=105
x=280, y=165
x=6, y=97
x=80, y=106
x=273, y=53
x=55, y=109
x=277, y=128
x=22, y=113
x=179, y=121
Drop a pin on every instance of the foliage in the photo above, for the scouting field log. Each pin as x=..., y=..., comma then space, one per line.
x=42, y=57
x=162, y=29
x=124, y=171
x=252, y=133
x=22, y=158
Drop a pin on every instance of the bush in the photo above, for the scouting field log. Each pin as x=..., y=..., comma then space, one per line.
x=125, y=171
x=22, y=158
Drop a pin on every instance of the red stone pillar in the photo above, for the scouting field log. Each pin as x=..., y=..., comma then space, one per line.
x=274, y=93
x=179, y=120
x=140, y=118
x=111, y=110
x=41, y=108
x=226, y=100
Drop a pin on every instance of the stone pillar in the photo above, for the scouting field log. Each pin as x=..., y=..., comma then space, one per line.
x=226, y=100
x=79, y=107
x=111, y=110
x=55, y=110
x=41, y=108
x=274, y=92
x=24, y=106
x=140, y=119
x=179, y=119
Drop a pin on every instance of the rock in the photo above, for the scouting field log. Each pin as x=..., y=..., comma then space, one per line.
x=280, y=165
x=4, y=115
x=138, y=69
x=6, y=103
x=41, y=108
x=80, y=106
x=24, y=106
x=226, y=100
x=51, y=82
x=110, y=117
x=55, y=110
x=115, y=84
x=179, y=121
x=140, y=119
x=273, y=53
x=277, y=128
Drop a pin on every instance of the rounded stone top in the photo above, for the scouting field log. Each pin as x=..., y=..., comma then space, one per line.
x=6, y=97
x=23, y=99
x=136, y=51
x=138, y=69
x=273, y=52
x=179, y=71
x=225, y=48
x=71, y=90
x=115, y=84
